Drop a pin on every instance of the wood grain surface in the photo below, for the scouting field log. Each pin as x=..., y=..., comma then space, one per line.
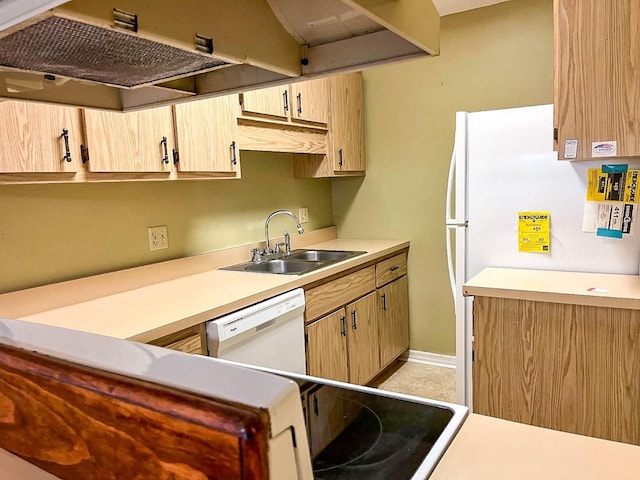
x=31, y=138
x=597, y=74
x=391, y=269
x=77, y=422
x=336, y=293
x=393, y=320
x=362, y=339
x=568, y=367
x=327, y=347
x=346, y=122
x=129, y=142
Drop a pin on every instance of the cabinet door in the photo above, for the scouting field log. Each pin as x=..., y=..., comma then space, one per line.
x=206, y=135
x=130, y=142
x=310, y=100
x=346, y=123
x=272, y=101
x=362, y=339
x=327, y=347
x=393, y=320
x=597, y=76
x=329, y=415
x=32, y=140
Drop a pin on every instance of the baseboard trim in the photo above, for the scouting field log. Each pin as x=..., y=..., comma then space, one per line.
x=428, y=358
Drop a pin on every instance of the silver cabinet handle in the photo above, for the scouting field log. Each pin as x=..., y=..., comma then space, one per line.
x=285, y=97
x=354, y=323
x=299, y=97
x=343, y=326
x=340, y=161
x=384, y=302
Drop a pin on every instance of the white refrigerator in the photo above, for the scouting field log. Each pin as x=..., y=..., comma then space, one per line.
x=503, y=163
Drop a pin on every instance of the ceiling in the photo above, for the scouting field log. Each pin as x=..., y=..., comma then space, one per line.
x=447, y=7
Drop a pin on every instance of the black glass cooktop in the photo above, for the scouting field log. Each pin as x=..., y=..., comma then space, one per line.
x=359, y=435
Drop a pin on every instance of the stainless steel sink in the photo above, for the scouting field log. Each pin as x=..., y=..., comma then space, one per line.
x=284, y=266
x=322, y=255
x=297, y=262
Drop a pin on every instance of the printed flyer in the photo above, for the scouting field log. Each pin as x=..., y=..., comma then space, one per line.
x=612, y=200
x=534, y=232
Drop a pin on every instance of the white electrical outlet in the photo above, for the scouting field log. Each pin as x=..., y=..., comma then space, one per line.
x=158, y=238
x=303, y=215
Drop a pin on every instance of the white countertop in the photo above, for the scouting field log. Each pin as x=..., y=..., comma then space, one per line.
x=134, y=305
x=575, y=288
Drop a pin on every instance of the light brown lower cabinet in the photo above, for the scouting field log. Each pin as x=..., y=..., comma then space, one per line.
x=327, y=347
x=343, y=345
x=393, y=320
x=353, y=329
x=189, y=340
x=573, y=368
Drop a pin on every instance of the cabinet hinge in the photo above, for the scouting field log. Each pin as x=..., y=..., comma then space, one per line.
x=176, y=156
x=555, y=134
x=84, y=153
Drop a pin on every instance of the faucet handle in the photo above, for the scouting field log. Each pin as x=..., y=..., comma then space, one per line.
x=256, y=256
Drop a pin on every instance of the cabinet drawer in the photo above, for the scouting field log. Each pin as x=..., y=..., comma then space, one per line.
x=332, y=295
x=188, y=340
x=390, y=269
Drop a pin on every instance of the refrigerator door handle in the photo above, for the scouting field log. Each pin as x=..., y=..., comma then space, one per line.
x=452, y=276
x=452, y=167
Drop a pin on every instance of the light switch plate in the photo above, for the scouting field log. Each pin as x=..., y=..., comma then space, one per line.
x=303, y=215
x=158, y=237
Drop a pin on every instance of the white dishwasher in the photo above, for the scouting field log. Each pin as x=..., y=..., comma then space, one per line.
x=268, y=334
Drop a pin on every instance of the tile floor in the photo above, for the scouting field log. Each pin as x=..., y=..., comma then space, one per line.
x=411, y=378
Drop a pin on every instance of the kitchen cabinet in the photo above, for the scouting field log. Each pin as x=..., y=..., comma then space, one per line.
x=345, y=154
x=328, y=415
x=393, y=320
x=344, y=344
x=310, y=101
x=393, y=307
x=188, y=340
x=597, y=78
x=305, y=101
x=326, y=347
x=556, y=365
x=362, y=339
x=357, y=324
x=207, y=135
x=269, y=102
x=140, y=141
x=38, y=138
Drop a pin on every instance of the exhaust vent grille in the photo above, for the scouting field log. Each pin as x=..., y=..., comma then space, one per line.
x=78, y=50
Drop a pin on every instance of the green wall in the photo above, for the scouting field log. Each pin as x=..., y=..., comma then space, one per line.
x=50, y=233
x=495, y=57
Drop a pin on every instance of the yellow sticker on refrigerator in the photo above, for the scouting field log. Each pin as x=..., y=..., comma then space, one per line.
x=534, y=234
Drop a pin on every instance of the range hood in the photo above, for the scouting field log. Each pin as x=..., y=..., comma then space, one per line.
x=131, y=54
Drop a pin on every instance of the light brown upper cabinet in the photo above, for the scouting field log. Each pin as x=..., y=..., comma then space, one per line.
x=597, y=78
x=301, y=102
x=130, y=142
x=206, y=135
x=37, y=138
x=310, y=101
x=345, y=136
x=345, y=146
x=270, y=102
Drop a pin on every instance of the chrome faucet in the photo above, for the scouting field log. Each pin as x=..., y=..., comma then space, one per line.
x=267, y=248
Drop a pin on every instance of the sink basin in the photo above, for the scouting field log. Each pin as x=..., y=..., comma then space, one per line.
x=322, y=255
x=297, y=262
x=284, y=266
